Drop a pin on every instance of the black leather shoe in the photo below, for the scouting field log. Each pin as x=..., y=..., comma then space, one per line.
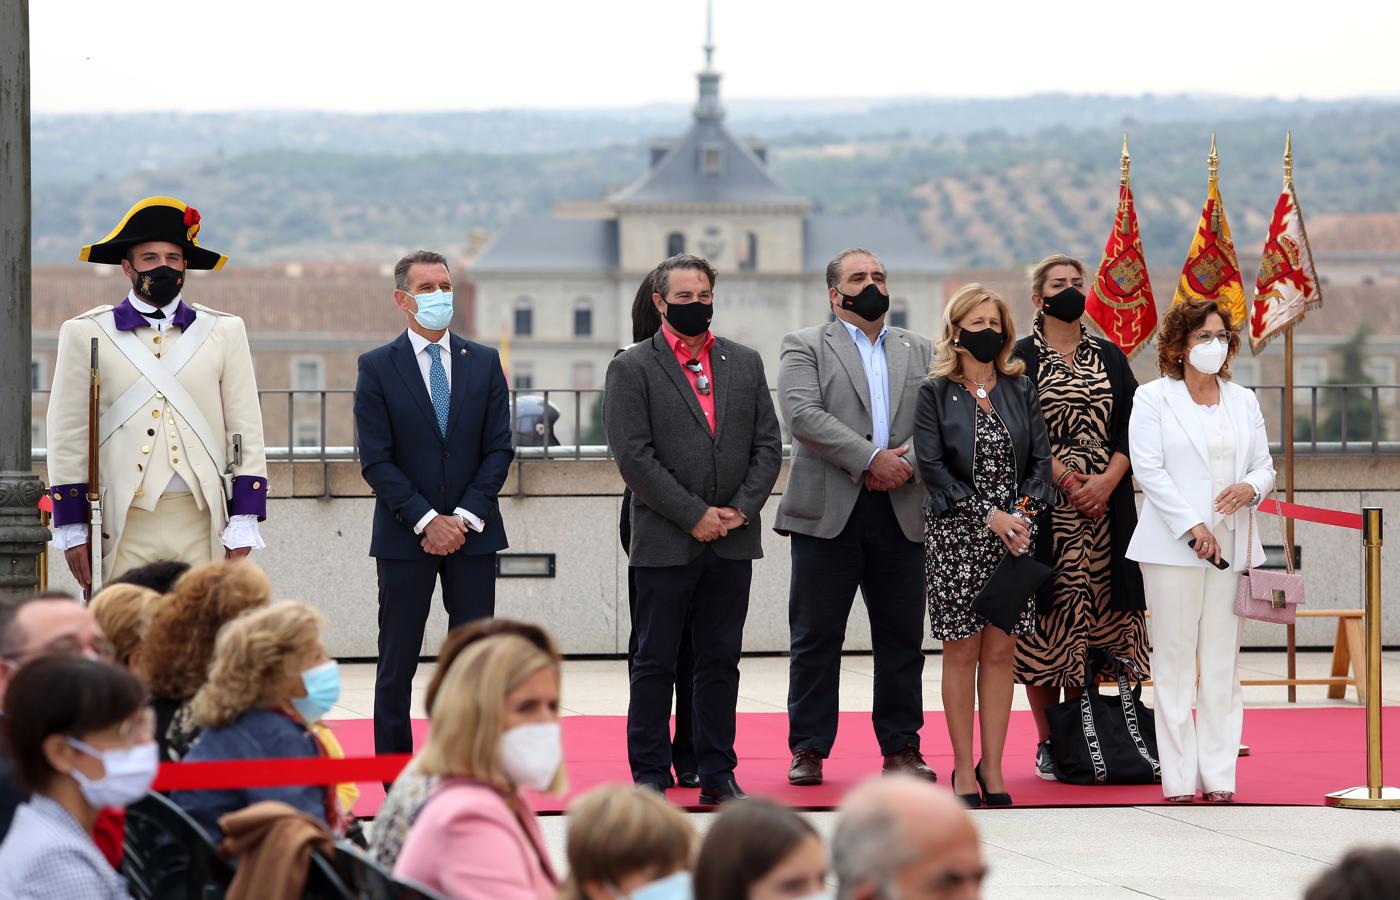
x=721, y=793
x=992, y=799
x=909, y=761
x=806, y=768
x=687, y=779
x=652, y=786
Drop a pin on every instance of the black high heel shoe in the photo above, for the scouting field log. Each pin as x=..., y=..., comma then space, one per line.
x=972, y=800
x=992, y=799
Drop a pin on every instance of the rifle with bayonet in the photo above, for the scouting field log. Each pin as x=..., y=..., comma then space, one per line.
x=94, y=491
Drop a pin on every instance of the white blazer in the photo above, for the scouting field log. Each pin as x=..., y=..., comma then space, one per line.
x=1167, y=445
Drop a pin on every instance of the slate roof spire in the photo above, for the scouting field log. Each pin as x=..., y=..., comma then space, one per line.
x=708, y=107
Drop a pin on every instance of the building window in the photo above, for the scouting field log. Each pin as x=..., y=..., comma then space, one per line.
x=36, y=373
x=748, y=252
x=583, y=376
x=899, y=313
x=711, y=159
x=524, y=317
x=1245, y=372
x=583, y=317
x=675, y=243
x=1381, y=370
x=523, y=377
x=308, y=373
x=1309, y=372
x=307, y=433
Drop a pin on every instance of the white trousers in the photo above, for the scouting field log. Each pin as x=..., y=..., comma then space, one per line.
x=1192, y=617
x=176, y=529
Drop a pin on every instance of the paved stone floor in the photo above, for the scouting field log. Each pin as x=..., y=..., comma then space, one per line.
x=1176, y=852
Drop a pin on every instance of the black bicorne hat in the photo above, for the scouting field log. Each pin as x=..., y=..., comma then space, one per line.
x=155, y=219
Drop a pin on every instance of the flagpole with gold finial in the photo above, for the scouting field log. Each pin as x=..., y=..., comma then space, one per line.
x=1123, y=164
x=1287, y=436
x=1213, y=166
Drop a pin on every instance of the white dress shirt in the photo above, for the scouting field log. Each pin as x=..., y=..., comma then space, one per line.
x=425, y=365
x=877, y=378
x=241, y=531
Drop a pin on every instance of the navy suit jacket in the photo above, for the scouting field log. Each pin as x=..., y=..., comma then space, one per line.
x=411, y=467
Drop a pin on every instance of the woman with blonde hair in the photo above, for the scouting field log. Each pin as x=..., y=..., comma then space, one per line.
x=983, y=452
x=122, y=612
x=627, y=842
x=269, y=679
x=180, y=636
x=495, y=735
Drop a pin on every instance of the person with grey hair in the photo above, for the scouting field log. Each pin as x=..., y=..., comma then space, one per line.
x=904, y=837
x=698, y=482
x=853, y=509
x=432, y=416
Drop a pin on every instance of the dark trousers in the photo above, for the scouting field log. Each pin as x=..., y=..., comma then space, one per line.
x=405, y=596
x=714, y=593
x=682, y=743
x=873, y=554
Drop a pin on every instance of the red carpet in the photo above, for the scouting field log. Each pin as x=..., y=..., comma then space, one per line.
x=1296, y=757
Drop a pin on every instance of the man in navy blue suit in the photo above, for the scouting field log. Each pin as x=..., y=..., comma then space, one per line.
x=432, y=413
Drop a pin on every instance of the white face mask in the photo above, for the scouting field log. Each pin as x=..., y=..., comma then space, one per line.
x=129, y=773
x=673, y=887
x=1209, y=358
x=531, y=754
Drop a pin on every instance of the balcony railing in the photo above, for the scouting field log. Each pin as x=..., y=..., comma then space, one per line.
x=317, y=426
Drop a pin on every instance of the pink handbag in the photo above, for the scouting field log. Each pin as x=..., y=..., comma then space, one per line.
x=1266, y=595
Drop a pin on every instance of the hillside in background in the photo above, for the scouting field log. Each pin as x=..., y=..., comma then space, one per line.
x=990, y=182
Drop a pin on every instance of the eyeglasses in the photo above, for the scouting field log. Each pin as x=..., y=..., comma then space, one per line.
x=1205, y=337
x=702, y=381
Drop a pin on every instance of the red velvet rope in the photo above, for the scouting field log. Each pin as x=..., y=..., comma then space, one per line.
x=1317, y=515
x=247, y=773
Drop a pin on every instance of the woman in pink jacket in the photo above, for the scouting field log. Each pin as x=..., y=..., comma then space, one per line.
x=495, y=734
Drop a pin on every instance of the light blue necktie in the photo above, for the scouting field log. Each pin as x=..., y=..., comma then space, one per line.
x=437, y=380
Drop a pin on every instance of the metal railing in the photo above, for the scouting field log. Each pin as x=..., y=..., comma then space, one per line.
x=319, y=424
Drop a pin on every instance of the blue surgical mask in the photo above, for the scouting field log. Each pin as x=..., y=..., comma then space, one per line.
x=672, y=887
x=434, y=310
x=322, y=691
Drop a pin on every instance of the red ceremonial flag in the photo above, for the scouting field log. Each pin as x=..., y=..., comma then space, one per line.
x=1120, y=300
x=1287, y=285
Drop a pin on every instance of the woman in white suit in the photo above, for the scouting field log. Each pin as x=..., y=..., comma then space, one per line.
x=1200, y=453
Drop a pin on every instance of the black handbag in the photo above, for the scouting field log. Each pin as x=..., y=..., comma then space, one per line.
x=1003, y=599
x=1105, y=738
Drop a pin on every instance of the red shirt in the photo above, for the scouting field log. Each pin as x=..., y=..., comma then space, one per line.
x=707, y=401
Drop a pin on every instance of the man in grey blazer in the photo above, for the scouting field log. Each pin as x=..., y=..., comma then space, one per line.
x=692, y=427
x=853, y=508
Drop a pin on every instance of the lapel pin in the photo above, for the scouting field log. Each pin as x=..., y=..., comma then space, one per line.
x=464, y=351
x=904, y=342
x=722, y=356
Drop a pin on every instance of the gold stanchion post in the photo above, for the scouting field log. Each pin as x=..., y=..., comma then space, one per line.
x=1374, y=794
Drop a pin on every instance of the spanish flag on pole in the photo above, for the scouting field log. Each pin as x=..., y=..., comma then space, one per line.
x=1120, y=300
x=1287, y=285
x=1212, y=271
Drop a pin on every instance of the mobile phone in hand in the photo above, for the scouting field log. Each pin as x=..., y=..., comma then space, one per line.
x=1222, y=565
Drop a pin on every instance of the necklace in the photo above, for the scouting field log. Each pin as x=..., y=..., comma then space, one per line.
x=981, y=391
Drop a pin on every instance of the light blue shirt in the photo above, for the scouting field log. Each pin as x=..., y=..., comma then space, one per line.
x=877, y=377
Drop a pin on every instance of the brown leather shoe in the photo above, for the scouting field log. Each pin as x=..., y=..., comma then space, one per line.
x=909, y=761
x=806, y=769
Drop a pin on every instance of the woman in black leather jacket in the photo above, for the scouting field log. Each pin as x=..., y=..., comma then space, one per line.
x=982, y=450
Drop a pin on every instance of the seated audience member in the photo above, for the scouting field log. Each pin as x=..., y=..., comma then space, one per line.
x=180, y=641
x=495, y=735
x=1366, y=873
x=627, y=842
x=160, y=576
x=31, y=627
x=762, y=851
x=900, y=837
x=80, y=739
x=248, y=710
x=412, y=787
x=121, y=611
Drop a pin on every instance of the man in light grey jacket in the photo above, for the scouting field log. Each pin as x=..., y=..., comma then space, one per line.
x=853, y=508
x=692, y=427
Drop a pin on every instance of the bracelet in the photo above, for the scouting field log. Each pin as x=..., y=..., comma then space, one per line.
x=991, y=514
x=1064, y=477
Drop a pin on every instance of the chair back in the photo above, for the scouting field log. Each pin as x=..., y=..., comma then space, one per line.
x=371, y=881
x=167, y=856
x=323, y=882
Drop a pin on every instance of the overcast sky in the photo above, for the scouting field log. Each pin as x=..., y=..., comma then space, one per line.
x=354, y=55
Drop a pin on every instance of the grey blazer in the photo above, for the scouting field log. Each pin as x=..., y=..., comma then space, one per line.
x=674, y=465
x=825, y=400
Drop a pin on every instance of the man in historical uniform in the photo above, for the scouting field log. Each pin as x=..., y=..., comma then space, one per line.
x=182, y=470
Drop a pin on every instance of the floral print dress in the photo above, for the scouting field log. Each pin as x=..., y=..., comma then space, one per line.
x=960, y=551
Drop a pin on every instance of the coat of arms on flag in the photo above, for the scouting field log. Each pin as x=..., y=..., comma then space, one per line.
x=1212, y=270
x=1287, y=285
x=1120, y=300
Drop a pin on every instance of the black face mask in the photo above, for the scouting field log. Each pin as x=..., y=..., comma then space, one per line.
x=870, y=304
x=1067, y=305
x=158, y=286
x=690, y=319
x=984, y=345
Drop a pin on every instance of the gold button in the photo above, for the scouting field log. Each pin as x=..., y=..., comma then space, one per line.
x=106, y=536
x=155, y=414
x=256, y=485
x=72, y=492
x=140, y=468
x=58, y=495
x=175, y=460
x=150, y=432
x=157, y=356
x=174, y=447
x=155, y=340
x=172, y=435
x=170, y=420
x=159, y=395
x=145, y=448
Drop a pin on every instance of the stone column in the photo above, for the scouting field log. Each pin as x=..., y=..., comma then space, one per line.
x=21, y=536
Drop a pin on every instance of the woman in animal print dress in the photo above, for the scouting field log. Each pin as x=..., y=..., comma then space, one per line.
x=1094, y=599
